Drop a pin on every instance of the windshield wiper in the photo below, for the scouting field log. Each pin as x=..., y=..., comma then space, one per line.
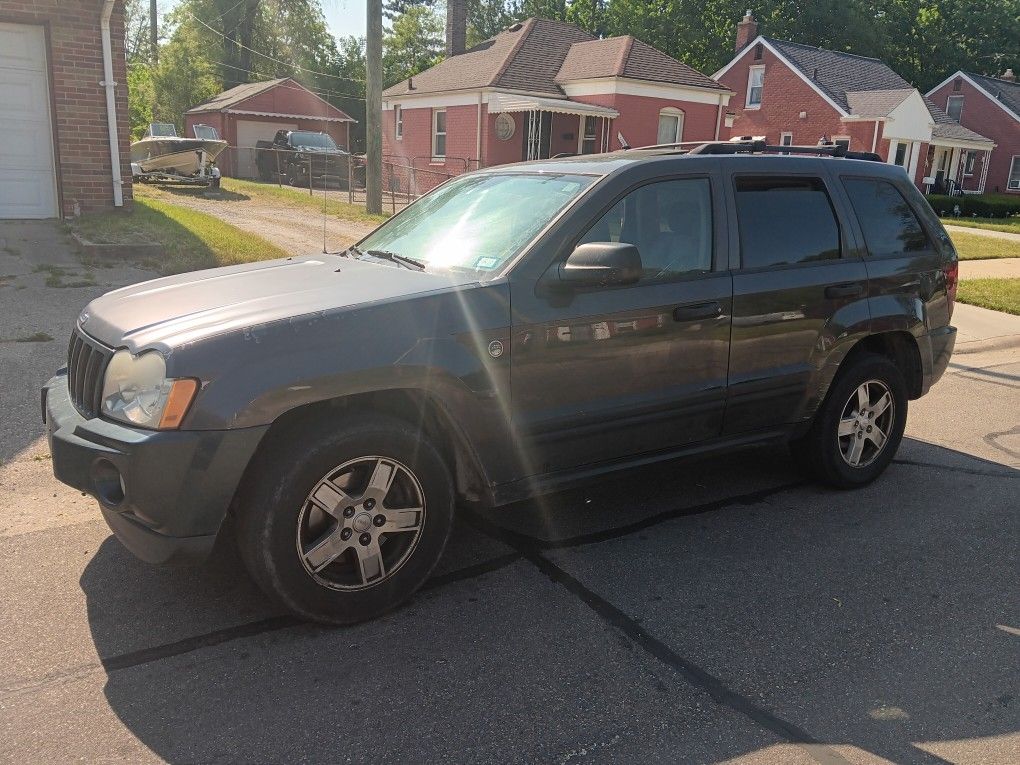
x=401, y=260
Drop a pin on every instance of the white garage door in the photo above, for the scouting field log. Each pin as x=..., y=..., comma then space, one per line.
x=248, y=133
x=28, y=186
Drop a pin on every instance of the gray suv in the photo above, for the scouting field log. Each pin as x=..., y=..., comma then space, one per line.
x=517, y=330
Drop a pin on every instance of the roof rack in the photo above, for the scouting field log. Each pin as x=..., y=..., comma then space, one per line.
x=761, y=147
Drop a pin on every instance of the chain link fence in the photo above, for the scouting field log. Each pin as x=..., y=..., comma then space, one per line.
x=404, y=179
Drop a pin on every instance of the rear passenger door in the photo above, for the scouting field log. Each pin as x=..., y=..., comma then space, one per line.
x=799, y=289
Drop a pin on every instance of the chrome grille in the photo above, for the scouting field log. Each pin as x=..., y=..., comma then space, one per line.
x=86, y=365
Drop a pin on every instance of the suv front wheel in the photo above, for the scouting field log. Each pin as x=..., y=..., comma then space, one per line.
x=346, y=522
x=858, y=428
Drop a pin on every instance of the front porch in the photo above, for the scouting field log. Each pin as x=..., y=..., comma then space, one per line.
x=543, y=128
x=956, y=167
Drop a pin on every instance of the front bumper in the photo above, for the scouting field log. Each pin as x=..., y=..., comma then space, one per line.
x=163, y=493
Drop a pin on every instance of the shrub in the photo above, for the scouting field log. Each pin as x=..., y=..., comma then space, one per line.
x=981, y=205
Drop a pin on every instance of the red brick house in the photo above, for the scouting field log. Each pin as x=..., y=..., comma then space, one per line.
x=991, y=105
x=63, y=108
x=255, y=111
x=798, y=94
x=542, y=88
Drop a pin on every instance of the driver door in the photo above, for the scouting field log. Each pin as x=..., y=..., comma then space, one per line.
x=604, y=373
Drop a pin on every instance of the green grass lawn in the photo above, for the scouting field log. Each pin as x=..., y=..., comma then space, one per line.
x=978, y=247
x=192, y=239
x=996, y=294
x=1009, y=225
x=292, y=197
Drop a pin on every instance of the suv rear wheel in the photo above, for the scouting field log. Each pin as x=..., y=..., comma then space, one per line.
x=344, y=524
x=857, y=430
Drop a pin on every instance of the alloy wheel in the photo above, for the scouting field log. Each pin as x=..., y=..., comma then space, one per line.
x=866, y=423
x=360, y=523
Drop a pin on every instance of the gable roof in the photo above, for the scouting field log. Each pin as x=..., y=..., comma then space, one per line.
x=876, y=103
x=1005, y=92
x=947, y=127
x=235, y=95
x=836, y=73
x=627, y=56
x=538, y=55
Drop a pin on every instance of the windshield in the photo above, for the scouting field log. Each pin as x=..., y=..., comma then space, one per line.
x=206, y=132
x=312, y=140
x=162, y=129
x=477, y=222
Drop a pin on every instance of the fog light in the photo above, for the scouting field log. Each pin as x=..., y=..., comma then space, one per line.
x=108, y=483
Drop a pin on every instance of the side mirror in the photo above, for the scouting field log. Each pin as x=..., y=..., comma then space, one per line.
x=601, y=264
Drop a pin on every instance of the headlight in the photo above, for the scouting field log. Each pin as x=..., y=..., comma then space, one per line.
x=137, y=391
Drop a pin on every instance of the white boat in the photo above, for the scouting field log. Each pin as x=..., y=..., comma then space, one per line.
x=161, y=151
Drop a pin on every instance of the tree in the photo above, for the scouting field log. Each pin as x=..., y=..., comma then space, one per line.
x=414, y=43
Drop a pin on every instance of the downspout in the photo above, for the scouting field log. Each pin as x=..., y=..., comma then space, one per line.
x=874, y=141
x=478, y=133
x=718, y=118
x=111, y=102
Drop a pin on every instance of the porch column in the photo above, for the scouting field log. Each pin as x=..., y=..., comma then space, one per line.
x=984, y=170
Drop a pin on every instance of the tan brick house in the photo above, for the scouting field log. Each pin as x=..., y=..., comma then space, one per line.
x=63, y=108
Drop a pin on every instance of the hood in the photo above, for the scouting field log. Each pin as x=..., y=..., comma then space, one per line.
x=171, y=312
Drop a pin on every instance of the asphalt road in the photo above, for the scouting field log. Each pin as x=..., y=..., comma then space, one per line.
x=721, y=610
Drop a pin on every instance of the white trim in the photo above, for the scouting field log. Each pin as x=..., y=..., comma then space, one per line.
x=507, y=102
x=1010, y=174
x=435, y=133
x=751, y=72
x=433, y=100
x=949, y=98
x=914, y=152
x=783, y=134
x=678, y=134
x=781, y=57
x=985, y=93
x=244, y=112
x=846, y=138
x=962, y=144
x=582, y=118
x=630, y=87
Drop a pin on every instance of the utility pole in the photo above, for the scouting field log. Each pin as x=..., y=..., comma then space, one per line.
x=153, y=32
x=373, y=108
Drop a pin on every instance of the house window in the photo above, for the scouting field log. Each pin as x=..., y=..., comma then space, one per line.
x=841, y=140
x=439, y=133
x=398, y=122
x=671, y=126
x=786, y=139
x=1013, y=184
x=954, y=107
x=587, y=135
x=899, y=153
x=969, y=162
x=755, y=83
x=758, y=50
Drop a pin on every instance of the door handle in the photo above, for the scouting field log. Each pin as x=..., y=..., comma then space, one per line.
x=844, y=290
x=696, y=311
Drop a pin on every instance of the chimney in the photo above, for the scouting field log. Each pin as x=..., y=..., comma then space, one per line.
x=747, y=30
x=1008, y=76
x=456, y=27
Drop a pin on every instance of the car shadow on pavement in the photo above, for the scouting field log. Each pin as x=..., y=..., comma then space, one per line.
x=883, y=619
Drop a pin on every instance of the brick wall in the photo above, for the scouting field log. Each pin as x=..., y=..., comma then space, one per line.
x=984, y=117
x=639, y=118
x=75, y=58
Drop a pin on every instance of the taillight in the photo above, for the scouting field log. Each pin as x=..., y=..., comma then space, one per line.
x=952, y=274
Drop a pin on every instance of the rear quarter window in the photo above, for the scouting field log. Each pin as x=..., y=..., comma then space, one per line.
x=890, y=226
x=785, y=221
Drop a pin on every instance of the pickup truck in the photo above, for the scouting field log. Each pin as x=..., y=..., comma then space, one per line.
x=294, y=155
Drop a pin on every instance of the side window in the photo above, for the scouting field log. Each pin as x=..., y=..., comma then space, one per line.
x=785, y=220
x=890, y=226
x=670, y=223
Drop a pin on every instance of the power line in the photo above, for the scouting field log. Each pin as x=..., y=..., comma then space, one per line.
x=317, y=91
x=275, y=60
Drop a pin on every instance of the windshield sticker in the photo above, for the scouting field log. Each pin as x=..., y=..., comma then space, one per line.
x=486, y=262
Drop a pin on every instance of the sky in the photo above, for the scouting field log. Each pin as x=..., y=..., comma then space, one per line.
x=344, y=17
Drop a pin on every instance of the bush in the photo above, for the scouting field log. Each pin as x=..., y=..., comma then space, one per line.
x=981, y=205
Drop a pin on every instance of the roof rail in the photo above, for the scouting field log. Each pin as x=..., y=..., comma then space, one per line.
x=761, y=147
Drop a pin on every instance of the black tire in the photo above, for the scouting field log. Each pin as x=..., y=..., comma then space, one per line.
x=275, y=502
x=821, y=450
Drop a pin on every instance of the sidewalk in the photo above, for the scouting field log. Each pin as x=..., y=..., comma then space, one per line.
x=981, y=232
x=993, y=268
x=981, y=329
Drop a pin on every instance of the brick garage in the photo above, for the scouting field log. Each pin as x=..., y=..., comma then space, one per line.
x=54, y=113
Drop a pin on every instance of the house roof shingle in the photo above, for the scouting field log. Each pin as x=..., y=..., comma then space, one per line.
x=627, y=56
x=876, y=103
x=1005, y=92
x=538, y=55
x=836, y=73
x=947, y=127
x=235, y=95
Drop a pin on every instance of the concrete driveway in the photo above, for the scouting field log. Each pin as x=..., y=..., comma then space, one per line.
x=723, y=610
